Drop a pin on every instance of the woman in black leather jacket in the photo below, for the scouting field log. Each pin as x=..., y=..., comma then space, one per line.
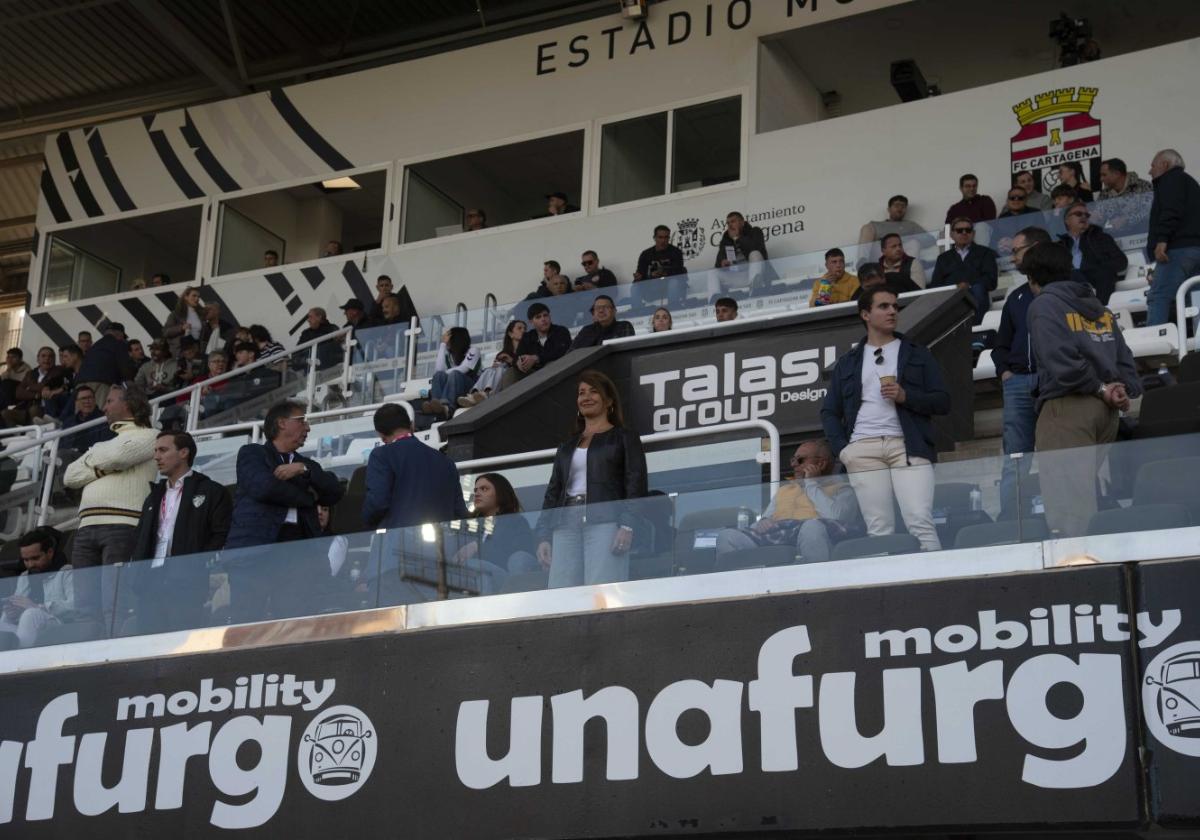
x=586, y=525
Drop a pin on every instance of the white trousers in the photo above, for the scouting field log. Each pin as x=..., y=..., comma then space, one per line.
x=882, y=478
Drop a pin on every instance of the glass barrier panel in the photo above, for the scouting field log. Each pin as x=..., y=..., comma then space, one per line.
x=58, y=604
x=217, y=457
x=22, y=462
x=246, y=396
x=380, y=363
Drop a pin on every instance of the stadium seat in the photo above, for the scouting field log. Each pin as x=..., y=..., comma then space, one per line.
x=1169, y=482
x=985, y=368
x=1162, y=340
x=1174, y=410
x=1006, y=532
x=1189, y=368
x=752, y=558
x=876, y=546
x=1139, y=518
x=691, y=558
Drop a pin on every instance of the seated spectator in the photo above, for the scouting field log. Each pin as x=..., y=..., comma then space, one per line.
x=508, y=548
x=58, y=399
x=596, y=276
x=70, y=359
x=158, y=376
x=455, y=371
x=836, y=285
x=186, y=319
x=329, y=353
x=160, y=279
x=661, y=321
x=267, y=346
x=742, y=243
x=1094, y=254
x=217, y=330
x=1117, y=181
x=656, y=263
x=1037, y=200
x=333, y=248
x=543, y=343
x=83, y=411
x=895, y=222
x=811, y=512
x=969, y=266
x=558, y=205
x=553, y=282
x=84, y=341
x=1016, y=205
x=27, y=396
x=270, y=258
x=190, y=363
x=14, y=374
x=725, y=309
x=1070, y=174
x=137, y=354
x=902, y=272
x=870, y=276
x=383, y=290
x=355, y=312
x=492, y=380
x=211, y=401
x=604, y=325
x=244, y=354
x=107, y=363
x=474, y=219
x=973, y=206
x=45, y=592
x=389, y=313
x=1063, y=197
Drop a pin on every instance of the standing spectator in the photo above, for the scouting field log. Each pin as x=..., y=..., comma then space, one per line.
x=492, y=380
x=604, y=325
x=27, y=405
x=659, y=261
x=1016, y=204
x=267, y=346
x=544, y=343
x=186, y=513
x=84, y=341
x=585, y=531
x=278, y=491
x=1117, y=181
x=45, y=591
x=1094, y=253
x=474, y=219
x=1015, y=365
x=454, y=372
x=15, y=371
x=661, y=321
x=408, y=483
x=558, y=205
x=876, y=416
x=186, y=319
x=1173, y=242
x=113, y=475
x=329, y=353
x=969, y=266
x=137, y=354
x=383, y=290
x=158, y=376
x=973, y=207
x=508, y=549
x=1086, y=376
x=1062, y=197
x=811, y=511
x=1037, y=200
x=895, y=222
x=725, y=309
x=217, y=330
x=741, y=243
x=901, y=272
x=270, y=258
x=1070, y=174
x=596, y=276
x=107, y=363
x=836, y=285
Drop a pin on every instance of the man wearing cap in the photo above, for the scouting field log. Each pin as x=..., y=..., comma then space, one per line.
x=107, y=362
x=543, y=343
x=356, y=313
x=604, y=325
x=557, y=204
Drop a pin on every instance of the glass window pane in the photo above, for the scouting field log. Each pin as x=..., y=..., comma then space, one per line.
x=633, y=159
x=428, y=210
x=243, y=243
x=708, y=144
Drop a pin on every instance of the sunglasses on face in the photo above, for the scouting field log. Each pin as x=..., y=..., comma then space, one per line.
x=1016, y=198
x=586, y=263
x=1079, y=214
x=964, y=230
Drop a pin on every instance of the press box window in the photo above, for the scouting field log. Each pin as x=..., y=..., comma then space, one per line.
x=117, y=256
x=673, y=151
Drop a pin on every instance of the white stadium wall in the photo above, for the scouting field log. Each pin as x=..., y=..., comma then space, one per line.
x=811, y=187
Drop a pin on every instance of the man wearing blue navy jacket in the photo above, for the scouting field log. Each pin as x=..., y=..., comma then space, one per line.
x=876, y=416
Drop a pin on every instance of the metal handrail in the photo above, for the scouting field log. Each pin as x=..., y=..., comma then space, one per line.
x=254, y=426
x=489, y=313
x=460, y=314
x=1181, y=313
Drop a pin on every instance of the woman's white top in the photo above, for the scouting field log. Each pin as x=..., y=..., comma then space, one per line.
x=577, y=480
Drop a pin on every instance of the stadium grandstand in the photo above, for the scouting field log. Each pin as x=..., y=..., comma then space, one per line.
x=596, y=419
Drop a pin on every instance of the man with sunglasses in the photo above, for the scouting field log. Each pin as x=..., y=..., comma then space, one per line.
x=597, y=276
x=1016, y=205
x=1094, y=254
x=968, y=265
x=876, y=416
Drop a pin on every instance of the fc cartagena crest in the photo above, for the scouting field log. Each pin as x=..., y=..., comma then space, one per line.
x=1057, y=127
x=689, y=238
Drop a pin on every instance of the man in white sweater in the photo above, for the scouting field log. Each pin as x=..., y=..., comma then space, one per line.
x=115, y=476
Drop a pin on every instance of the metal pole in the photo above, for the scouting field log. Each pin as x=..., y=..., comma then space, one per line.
x=48, y=481
x=347, y=350
x=489, y=316
x=311, y=384
x=411, y=366
x=193, y=420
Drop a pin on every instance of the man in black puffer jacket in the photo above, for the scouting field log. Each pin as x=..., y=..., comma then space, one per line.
x=1173, y=242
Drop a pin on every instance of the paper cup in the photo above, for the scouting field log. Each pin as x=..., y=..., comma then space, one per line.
x=887, y=380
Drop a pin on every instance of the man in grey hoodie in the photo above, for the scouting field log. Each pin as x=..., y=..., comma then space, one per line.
x=1086, y=377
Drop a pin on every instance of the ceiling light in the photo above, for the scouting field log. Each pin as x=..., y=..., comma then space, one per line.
x=343, y=183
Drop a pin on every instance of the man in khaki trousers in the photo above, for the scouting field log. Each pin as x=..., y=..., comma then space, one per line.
x=1086, y=377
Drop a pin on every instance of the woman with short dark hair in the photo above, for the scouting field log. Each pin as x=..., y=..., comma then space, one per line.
x=455, y=371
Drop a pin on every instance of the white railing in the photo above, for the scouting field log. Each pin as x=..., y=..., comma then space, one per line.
x=1183, y=312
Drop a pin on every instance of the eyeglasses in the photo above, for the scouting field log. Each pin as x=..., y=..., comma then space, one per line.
x=1017, y=197
x=878, y=355
x=1079, y=214
x=964, y=230
x=586, y=263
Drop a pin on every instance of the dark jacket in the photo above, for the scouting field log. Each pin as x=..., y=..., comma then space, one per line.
x=616, y=471
x=205, y=514
x=899, y=281
x=925, y=395
x=409, y=483
x=981, y=208
x=107, y=361
x=83, y=440
x=978, y=269
x=751, y=239
x=603, y=278
x=329, y=353
x=1175, y=212
x=30, y=388
x=1024, y=211
x=1104, y=262
x=263, y=500
x=1012, y=351
x=669, y=261
x=1077, y=343
x=593, y=334
x=558, y=342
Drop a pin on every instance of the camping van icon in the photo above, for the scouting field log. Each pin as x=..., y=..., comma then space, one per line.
x=1178, y=695
x=337, y=753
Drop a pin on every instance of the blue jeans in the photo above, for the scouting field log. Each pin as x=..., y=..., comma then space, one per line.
x=1020, y=420
x=448, y=386
x=1181, y=264
x=582, y=552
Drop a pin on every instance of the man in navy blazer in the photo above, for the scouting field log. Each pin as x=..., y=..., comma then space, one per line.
x=408, y=483
x=278, y=491
x=969, y=266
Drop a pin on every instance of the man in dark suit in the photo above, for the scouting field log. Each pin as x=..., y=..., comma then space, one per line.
x=1094, y=254
x=278, y=491
x=967, y=265
x=544, y=342
x=187, y=513
x=408, y=483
